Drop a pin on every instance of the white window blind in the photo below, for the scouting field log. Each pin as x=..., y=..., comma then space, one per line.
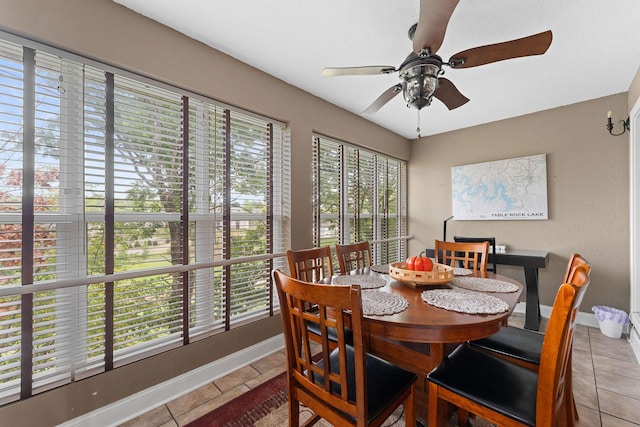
x=328, y=191
x=361, y=188
x=358, y=195
x=104, y=173
x=11, y=155
x=391, y=209
x=147, y=205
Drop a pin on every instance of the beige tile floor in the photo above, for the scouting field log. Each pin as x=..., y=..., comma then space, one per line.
x=606, y=385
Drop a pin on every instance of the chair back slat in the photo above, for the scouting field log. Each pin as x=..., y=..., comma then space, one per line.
x=310, y=265
x=353, y=256
x=470, y=255
x=493, y=267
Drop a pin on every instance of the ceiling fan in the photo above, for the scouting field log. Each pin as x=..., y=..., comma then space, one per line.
x=421, y=72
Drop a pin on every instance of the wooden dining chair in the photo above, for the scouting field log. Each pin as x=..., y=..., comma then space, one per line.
x=470, y=255
x=353, y=256
x=507, y=393
x=311, y=265
x=343, y=384
x=491, y=267
x=524, y=346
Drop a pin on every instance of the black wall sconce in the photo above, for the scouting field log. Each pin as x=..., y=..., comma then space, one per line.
x=625, y=125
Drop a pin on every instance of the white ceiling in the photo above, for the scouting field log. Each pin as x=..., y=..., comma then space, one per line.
x=595, y=50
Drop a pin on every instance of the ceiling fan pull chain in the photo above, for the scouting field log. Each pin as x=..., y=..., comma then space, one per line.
x=418, y=128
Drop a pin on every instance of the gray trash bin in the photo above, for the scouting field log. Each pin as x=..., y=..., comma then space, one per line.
x=611, y=320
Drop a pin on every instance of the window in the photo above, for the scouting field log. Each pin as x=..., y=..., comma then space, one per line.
x=359, y=195
x=134, y=217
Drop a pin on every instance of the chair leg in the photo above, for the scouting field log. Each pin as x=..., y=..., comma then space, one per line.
x=294, y=413
x=437, y=408
x=409, y=409
x=570, y=410
x=433, y=405
x=570, y=402
x=574, y=408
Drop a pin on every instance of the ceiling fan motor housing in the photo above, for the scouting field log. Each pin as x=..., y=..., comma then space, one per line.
x=420, y=79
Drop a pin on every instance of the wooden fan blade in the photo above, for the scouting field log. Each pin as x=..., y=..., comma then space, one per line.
x=536, y=44
x=432, y=24
x=449, y=94
x=386, y=96
x=358, y=71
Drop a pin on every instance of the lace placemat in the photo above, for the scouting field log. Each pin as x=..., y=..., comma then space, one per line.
x=365, y=282
x=383, y=268
x=484, y=285
x=457, y=271
x=376, y=303
x=464, y=301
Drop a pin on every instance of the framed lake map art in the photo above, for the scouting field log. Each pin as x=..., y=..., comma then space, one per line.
x=511, y=189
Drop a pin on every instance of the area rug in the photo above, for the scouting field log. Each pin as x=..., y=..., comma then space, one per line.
x=266, y=406
x=247, y=409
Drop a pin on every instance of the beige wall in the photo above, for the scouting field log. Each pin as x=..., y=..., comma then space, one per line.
x=107, y=32
x=587, y=185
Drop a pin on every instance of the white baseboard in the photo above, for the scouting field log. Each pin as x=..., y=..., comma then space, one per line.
x=585, y=319
x=139, y=403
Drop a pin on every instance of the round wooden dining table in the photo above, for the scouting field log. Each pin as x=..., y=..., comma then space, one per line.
x=419, y=337
x=424, y=323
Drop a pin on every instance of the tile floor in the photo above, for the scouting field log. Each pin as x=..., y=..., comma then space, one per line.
x=606, y=385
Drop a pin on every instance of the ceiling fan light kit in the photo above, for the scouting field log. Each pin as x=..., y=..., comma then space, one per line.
x=421, y=72
x=420, y=80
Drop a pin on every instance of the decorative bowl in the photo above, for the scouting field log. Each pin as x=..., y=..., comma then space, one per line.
x=439, y=275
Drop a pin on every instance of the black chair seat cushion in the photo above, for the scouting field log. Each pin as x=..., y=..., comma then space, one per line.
x=332, y=333
x=504, y=387
x=521, y=344
x=385, y=382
